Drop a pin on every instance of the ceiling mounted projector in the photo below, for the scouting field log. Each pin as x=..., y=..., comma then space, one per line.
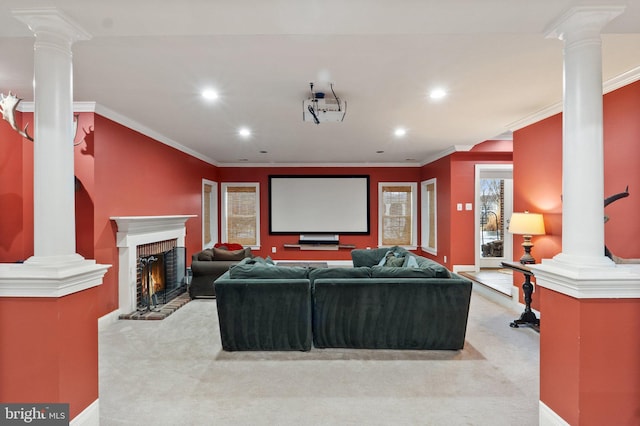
x=320, y=109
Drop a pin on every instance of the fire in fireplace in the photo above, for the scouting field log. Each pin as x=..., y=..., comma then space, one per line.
x=161, y=277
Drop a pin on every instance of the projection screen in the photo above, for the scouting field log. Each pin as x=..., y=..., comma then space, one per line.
x=326, y=204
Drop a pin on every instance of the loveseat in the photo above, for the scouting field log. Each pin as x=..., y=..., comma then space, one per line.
x=208, y=264
x=389, y=299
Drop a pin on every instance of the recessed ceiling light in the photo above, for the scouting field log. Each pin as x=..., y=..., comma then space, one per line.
x=244, y=132
x=210, y=94
x=437, y=94
x=400, y=132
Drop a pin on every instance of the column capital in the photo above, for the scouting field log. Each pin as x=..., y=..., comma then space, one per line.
x=584, y=21
x=53, y=23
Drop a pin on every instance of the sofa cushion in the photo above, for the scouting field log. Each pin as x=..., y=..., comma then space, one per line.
x=206, y=254
x=221, y=254
x=358, y=272
x=401, y=272
x=439, y=270
x=259, y=271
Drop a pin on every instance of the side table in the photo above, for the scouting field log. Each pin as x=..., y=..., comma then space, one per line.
x=528, y=317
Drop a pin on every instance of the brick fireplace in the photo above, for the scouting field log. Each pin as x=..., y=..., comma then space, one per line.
x=141, y=231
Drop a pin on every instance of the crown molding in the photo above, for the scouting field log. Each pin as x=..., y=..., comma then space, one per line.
x=320, y=165
x=452, y=149
x=140, y=128
x=610, y=85
x=77, y=106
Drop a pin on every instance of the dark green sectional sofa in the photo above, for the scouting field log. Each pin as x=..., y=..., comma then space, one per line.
x=417, y=304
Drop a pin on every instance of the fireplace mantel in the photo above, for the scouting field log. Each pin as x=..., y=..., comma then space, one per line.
x=137, y=230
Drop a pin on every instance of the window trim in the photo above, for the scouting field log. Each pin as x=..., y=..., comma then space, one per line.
x=223, y=210
x=213, y=213
x=425, y=218
x=414, y=212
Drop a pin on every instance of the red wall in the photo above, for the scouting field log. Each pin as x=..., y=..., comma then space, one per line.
x=134, y=175
x=440, y=170
x=537, y=173
x=261, y=175
x=590, y=373
x=455, y=183
x=622, y=168
x=16, y=192
x=50, y=350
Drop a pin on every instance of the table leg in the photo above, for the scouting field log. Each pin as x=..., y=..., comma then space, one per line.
x=528, y=317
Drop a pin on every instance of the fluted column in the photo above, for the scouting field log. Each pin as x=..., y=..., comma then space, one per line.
x=54, y=201
x=582, y=152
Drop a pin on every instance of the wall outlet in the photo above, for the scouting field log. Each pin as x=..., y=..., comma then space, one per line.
x=445, y=259
x=468, y=206
x=273, y=249
x=459, y=206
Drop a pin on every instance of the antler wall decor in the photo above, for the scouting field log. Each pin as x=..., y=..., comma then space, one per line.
x=8, y=105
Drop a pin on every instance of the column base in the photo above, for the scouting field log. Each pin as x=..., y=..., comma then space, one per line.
x=574, y=262
x=50, y=276
x=589, y=282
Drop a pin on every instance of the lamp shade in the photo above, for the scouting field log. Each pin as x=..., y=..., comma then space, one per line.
x=526, y=224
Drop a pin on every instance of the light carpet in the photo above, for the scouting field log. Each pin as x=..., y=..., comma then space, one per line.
x=174, y=372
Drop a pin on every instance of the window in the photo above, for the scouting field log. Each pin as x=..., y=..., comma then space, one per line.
x=429, y=217
x=241, y=213
x=209, y=213
x=397, y=217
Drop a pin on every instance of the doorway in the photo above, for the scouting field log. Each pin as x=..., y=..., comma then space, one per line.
x=494, y=205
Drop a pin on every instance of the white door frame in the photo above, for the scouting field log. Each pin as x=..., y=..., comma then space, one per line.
x=504, y=171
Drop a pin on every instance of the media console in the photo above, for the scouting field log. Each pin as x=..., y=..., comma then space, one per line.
x=320, y=246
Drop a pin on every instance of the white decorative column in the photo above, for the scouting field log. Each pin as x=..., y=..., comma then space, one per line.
x=54, y=212
x=585, y=296
x=582, y=151
x=55, y=269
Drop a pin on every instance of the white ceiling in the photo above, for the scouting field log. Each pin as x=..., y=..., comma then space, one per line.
x=148, y=60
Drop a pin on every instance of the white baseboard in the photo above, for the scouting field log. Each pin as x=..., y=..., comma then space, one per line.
x=463, y=268
x=548, y=417
x=90, y=416
x=107, y=319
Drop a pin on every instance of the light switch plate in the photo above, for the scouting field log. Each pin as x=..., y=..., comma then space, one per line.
x=459, y=207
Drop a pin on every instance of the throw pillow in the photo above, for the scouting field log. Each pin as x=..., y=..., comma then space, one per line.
x=220, y=254
x=394, y=259
x=410, y=262
x=228, y=246
x=206, y=254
